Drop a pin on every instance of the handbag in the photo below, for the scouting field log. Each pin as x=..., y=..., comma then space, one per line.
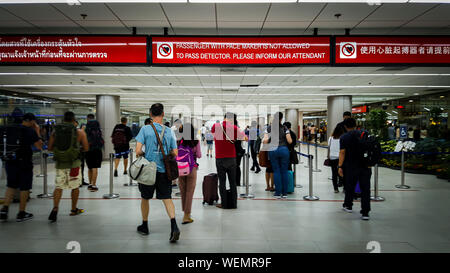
x=327, y=162
x=263, y=158
x=143, y=171
x=293, y=157
x=170, y=162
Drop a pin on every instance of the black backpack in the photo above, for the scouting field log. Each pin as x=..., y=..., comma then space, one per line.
x=94, y=135
x=12, y=142
x=369, y=149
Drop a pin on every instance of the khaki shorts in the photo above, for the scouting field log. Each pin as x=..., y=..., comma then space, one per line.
x=64, y=181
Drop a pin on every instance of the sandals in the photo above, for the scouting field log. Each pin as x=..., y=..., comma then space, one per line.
x=76, y=212
x=187, y=222
x=92, y=188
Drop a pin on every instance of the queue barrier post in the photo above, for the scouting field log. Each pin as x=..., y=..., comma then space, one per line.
x=300, y=150
x=111, y=195
x=402, y=185
x=309, y=153
x=316, y=159
x=311, y=196
x=44, y=173
x=41, y=155
x=246, y=174
x=131, y=179
x=295, y=171
x=376, y=197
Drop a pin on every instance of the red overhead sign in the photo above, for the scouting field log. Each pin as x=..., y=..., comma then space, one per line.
x=73, y=49
x=360, y=109
x=240, y=50
x=388, y=50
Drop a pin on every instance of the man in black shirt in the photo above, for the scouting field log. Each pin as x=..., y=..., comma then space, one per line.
x=121, y=137
x=352, y=169
x=19, y=171
x=345, y=116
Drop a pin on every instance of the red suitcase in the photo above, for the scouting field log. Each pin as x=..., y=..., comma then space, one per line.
x=210, y=186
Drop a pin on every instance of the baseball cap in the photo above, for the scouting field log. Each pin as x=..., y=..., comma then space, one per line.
x=29, y=117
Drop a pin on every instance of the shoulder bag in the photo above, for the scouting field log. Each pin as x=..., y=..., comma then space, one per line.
x=170, y=162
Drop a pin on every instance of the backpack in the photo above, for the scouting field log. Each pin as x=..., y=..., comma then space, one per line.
x=94, y=135
x=185, y=160
x=11, y=142
x=369, y=148
x=66, y=149
x=119, y=138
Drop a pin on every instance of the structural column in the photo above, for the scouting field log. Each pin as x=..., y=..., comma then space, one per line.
x=108, y=115
x=300, y=125
x=261, y=122
x=336, y=106
x=292, y=117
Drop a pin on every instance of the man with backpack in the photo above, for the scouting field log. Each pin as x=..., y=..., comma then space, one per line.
x=94, y=156
x=121, y=137
x=65, y=143
x=18, y=162
x=358, y=153
x=148, y=137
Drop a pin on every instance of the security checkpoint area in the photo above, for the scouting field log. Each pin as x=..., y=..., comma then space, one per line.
x=385, y=63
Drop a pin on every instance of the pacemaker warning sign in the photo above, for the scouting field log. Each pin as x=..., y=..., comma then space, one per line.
x=245, y=50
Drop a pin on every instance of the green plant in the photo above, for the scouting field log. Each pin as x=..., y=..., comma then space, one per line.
x=436, y=120
x=377, y=123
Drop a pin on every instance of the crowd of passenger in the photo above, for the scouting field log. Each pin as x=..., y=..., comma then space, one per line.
x=271, y=146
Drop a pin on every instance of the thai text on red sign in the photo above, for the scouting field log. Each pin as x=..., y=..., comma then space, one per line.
x=73, y=49
x=379, y=50
x=240, y=50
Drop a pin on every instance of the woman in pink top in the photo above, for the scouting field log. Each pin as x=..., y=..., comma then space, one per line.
x=187, y=183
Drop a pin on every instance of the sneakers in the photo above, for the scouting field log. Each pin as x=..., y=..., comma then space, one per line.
x=252, y=169
x=115, y=173
x=346, y=209
x=365, y=216
x=277, y=196
x=284, y=196
x=125, y=173
x=53, y=216
x=258, y=171
x=143, y=229
x=174, y=235
x=4, y=215
x=24, y=216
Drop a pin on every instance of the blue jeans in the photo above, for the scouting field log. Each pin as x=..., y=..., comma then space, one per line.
x=279, y=159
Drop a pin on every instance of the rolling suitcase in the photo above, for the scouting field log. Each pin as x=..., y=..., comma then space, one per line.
x=210, y=185
x=290, y=188
x=230, y=202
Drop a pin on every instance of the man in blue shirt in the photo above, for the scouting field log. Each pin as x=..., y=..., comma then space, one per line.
x=163, y=185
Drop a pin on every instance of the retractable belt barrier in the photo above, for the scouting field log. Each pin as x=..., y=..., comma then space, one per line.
x=295, y=169
x=131, y=162
x=44, y=157
x=311, y=196
x=246, y=175
x=316, y=155
x=112, y=195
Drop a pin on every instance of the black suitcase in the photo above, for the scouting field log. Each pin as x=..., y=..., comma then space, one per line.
x=210, y=186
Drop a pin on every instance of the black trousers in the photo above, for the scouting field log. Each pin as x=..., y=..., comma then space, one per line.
x=83, y=160
x=352, y=176
x=254, y=156
x=334, y=172
x=227, y=167
x=238, y=170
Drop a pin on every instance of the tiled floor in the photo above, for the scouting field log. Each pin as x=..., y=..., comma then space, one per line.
x=415, y=220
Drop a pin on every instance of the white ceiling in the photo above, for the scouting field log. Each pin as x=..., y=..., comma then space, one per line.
x=226, y=19
x=305, y=88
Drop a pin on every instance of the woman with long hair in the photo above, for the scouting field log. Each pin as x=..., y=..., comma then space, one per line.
x=279, y=137
x=189, y=146
x=333, y=155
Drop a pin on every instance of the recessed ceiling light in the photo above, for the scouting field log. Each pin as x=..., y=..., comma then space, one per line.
x=15, y=94
x=416, y=94
x=442, y=97
x=411, y=101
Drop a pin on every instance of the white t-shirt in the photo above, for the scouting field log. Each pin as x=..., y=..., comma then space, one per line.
x=334, y=148
x=203, y=130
